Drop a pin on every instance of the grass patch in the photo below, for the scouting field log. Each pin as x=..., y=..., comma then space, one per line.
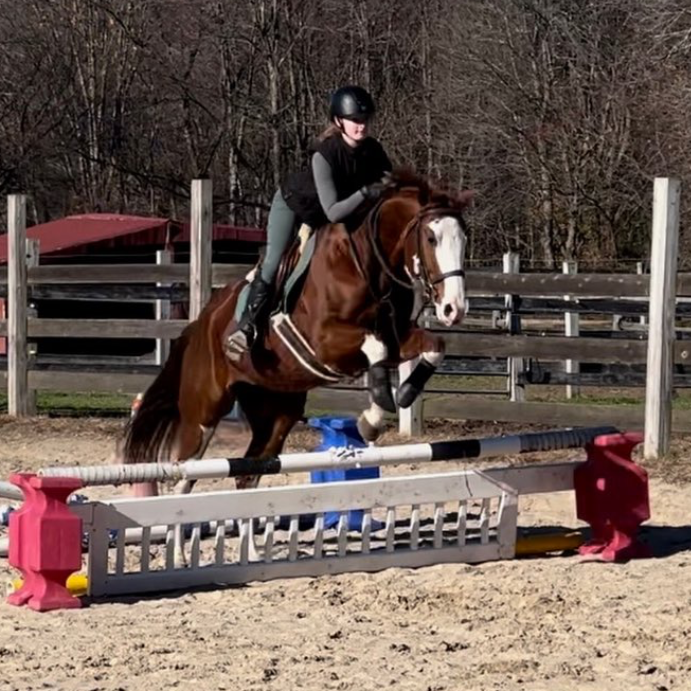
x=605, y=397
x=100, y=404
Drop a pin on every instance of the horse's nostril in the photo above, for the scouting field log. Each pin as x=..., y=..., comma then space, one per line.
x=448, y=310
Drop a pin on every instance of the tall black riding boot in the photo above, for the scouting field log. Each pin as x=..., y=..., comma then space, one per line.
x=242, y=339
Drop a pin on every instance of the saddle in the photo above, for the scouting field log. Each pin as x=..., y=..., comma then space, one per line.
x=293, y=269
x=290, y=276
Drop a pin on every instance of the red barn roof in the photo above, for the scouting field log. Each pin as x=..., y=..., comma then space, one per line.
x=79, y=234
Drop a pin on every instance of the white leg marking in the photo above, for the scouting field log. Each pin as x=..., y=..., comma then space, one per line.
x=374, y=415
x=433, y=357
x=374, y=349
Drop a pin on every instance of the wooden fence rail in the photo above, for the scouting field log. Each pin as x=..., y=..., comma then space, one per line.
x=479, y=283
x=461, y=344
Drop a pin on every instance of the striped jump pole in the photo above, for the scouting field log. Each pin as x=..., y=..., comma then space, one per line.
x=10, y=491
x=334, y=458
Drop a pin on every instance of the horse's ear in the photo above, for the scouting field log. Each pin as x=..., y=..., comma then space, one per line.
x=465, y=198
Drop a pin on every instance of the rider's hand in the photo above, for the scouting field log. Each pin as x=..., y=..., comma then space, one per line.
x=374, y=190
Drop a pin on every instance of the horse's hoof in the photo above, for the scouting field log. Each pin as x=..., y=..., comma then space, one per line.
x=406, y=395
x=381, y=395
x=367, y=431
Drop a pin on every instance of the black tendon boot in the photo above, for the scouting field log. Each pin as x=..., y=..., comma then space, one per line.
x=242, y=339
x=410, y=389
x=380, y=387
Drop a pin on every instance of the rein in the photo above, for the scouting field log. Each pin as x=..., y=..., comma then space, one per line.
x=376, y=248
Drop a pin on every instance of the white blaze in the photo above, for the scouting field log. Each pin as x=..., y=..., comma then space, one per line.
x=450, y=254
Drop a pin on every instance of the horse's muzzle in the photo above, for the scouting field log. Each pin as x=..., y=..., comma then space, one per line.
x=451, y=312
x=453, y=306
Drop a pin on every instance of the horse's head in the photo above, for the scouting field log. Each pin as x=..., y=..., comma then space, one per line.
x=434, y=243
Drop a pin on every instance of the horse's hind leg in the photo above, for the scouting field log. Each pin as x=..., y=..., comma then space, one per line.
x=271, y=415
x=193, y=438
x=193, y=442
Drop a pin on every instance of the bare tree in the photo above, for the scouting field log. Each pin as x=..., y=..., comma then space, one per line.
x=559, y=112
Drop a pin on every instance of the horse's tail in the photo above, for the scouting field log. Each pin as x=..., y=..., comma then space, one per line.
x=150, y=434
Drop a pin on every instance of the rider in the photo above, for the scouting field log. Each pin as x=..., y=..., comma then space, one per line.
x=347, y=167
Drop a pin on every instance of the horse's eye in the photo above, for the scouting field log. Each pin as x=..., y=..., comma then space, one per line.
x=432, y=240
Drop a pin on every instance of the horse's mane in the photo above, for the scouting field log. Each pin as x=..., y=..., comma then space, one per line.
x=404, y=182
x=402, y=178
x=429, y=193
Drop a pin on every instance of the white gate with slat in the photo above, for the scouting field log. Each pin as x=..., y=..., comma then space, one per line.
x=409, y=521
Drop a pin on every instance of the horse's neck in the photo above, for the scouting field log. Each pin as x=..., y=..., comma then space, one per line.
x=379, y=238
x=394, y=233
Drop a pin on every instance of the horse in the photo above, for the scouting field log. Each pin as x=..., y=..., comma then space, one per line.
x=355, y=314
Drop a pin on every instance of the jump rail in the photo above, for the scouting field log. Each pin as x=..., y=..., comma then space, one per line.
x=337, y=457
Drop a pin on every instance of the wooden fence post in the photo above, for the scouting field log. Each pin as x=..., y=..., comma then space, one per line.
x=642, y=269
x=201, y=232
x=410, y=422
x=571, y=328
x=661, y=313
x=3, y=316
x=18, y=399
x=32, y=260
x=163, y=257
x=512, y=265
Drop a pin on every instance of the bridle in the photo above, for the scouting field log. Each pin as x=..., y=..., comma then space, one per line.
x=423, y=280
x=426, y=215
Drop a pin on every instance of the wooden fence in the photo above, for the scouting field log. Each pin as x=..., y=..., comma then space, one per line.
x=657, y=297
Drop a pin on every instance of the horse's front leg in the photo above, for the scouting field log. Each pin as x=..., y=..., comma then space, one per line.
x=371, y=421
x=430, y=349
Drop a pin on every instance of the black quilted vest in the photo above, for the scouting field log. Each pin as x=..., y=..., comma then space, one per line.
x=352, y=168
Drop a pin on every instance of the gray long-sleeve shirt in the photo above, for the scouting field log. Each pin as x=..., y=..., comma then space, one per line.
x=334, y=209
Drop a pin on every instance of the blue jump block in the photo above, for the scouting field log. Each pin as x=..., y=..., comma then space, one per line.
x=337, y=432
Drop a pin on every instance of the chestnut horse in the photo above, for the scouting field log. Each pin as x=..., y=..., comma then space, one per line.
x=355, y=313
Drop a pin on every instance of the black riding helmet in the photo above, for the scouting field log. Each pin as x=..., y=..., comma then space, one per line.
x=351, y=102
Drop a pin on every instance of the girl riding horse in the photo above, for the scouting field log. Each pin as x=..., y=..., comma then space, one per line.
x=346, y=169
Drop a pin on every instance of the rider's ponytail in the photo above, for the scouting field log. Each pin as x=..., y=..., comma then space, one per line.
x=330, y=131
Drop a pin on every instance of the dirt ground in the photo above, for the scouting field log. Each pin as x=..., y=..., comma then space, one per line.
x=553, y=622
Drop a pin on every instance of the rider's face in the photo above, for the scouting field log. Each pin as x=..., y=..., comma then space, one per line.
x=354, y=131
